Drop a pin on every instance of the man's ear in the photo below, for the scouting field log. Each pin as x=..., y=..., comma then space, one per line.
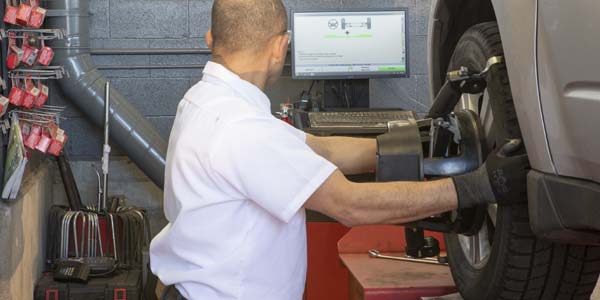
x=209, y=39
x=280, y=47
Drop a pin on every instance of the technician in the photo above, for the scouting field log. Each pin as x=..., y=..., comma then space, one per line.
x=238, y=180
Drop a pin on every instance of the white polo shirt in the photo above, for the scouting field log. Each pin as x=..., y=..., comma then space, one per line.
x=236, y=182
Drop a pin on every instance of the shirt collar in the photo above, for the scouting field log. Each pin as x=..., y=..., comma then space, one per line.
x=214, y=73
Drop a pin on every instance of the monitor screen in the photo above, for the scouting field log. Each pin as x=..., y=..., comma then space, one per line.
x=351, y=44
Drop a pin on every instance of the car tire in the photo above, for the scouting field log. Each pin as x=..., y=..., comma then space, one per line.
x=518, y=266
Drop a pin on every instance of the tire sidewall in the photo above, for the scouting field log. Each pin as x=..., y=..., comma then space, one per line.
x=485, y=282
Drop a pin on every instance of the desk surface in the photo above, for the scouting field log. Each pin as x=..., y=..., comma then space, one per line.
x=386, y=273
x=388, y=279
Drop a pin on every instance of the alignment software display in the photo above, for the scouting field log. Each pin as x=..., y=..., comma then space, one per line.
x=344, y=45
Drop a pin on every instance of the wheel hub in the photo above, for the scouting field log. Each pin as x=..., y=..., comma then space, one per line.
x=477, y=247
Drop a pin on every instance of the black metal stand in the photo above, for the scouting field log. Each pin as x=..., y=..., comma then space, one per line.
x=346, y=94
x=400, y=158
x=420, y=246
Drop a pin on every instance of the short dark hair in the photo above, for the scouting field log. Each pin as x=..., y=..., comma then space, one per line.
x=239, y=25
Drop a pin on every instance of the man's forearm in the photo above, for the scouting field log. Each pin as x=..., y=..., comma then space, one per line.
x=355, y=204
x=350, y=155
x=400, y=202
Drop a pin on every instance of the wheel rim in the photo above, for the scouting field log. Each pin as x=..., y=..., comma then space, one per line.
x=478, y=247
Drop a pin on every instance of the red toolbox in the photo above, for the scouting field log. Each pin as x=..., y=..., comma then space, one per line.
x=122, y=285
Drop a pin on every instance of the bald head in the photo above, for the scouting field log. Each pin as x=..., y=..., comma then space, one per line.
x=246, y=25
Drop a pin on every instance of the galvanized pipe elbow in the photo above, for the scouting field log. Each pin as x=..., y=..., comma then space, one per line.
x=84, y=86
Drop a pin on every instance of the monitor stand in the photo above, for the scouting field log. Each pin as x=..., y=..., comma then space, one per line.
x=346, y=94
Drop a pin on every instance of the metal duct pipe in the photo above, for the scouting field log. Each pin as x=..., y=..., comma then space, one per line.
x=84, y=86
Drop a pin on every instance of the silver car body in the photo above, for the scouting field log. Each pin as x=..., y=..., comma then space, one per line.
x=551, y=49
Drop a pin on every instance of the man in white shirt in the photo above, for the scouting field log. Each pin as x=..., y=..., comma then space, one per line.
x=238, y=180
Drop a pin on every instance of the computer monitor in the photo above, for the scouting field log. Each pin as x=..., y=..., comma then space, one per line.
x=349, y=44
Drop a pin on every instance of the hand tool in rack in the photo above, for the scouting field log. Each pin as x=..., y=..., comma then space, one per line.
x=76, y=216
x=102, y=265
x=99, y=194
x=38, y=73
x=69, y=183
x=64, y=236
x=114, y=238
x=106, y=148
x=432, y=261
x=42, y=34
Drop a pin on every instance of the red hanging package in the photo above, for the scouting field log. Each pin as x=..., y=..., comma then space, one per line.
x=37, y=17
x=12, y=61
x=43, y=95
x=32, y=141
x=10, y=15
x=44, y=143
x=14, y=58
x=36, y=129
x=45, y=56
x=27, y=50
x=18, y=51
x=31, y=95
x=57, y=144
x=34, y=136
x=23, y=14
x=16, y=96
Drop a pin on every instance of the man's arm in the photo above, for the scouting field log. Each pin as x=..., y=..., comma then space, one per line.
x=350, y=155
x=354, y=204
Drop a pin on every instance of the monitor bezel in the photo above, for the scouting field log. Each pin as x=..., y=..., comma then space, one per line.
x=358, y=76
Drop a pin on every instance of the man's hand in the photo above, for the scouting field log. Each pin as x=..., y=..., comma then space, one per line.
x=501, y=179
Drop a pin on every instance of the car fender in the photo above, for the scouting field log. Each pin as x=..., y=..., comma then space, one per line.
x=517, y=20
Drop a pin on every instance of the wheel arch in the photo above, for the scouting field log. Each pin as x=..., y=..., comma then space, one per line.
x=450, y=19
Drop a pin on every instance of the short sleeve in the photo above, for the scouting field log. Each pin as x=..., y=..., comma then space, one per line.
x=270, y=163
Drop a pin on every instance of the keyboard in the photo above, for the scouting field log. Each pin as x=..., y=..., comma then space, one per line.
x=376, y=120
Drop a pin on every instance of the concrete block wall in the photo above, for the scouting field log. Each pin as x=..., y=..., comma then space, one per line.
x=182, y=24
x=156, y=92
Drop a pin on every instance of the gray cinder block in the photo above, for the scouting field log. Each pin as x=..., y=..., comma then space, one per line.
x=148, y=19
x=153, y=96
x=418, y=55
x=421, y=17
x=99, y=19
x=423, y=90
x=199, y=17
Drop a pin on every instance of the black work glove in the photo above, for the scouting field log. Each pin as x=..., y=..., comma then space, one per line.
x=501, y=179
